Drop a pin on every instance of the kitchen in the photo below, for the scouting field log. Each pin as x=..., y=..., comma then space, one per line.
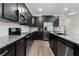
x=54, y=25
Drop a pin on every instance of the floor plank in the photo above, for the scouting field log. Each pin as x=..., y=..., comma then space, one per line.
x=40, y=48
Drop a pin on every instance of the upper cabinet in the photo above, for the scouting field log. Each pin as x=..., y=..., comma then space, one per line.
x=0, y=10
x=17, y=12
x=10, y=11
x=56, y=21
x=38, y=21
x=24, y=14
x=22, y=8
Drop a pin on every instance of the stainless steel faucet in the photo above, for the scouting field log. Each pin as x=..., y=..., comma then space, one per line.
x=64, y=29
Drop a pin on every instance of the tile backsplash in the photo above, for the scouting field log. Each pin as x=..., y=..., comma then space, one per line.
x=5, y=25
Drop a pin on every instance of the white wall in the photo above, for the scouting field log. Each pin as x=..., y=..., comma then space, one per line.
x=71, y=23
x=32, y=29
x=74, y=27
x=64, y=21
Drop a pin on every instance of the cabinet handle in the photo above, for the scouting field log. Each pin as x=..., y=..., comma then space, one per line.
x=66, y=51
x=4, y=53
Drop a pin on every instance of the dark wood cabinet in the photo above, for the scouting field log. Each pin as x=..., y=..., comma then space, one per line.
x=22, y=8
x=29, y=42
x=25, y=18
x=10, y=11
x=53, y=43
x=56, y=22
x=0, y=10
x=20, y=47
x=62, y=47
x=22, y=13
x=17, y=12
x=8, y=50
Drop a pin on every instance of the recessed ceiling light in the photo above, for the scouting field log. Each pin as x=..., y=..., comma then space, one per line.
x=40, y=9
x=66, y=9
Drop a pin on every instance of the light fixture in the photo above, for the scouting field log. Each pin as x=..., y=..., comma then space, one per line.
x=65, y=9
x=40, y=9
x=72, y=13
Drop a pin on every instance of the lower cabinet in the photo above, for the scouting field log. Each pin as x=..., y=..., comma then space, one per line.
x=64, y=48
x=20, y=48
x=53, y=44
x=61, y=47
x=29, y=42
x=8, y=50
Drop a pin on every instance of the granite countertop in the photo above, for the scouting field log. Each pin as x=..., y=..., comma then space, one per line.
x=73, y=38
x=8, y=39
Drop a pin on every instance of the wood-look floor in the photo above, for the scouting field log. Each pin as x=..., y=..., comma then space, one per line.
x=40, y=48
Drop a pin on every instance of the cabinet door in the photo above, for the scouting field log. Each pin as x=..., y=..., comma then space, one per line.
x=20, y=50
x=69, y=51
x=56, y=22
x=61, y=49
x=55, y=46
x=28, y=45
x=64, y=48
x=12, y=53
x=53, y=43
x=24, y=14
x=10, y=11
x=8, y=50
x=0, y=10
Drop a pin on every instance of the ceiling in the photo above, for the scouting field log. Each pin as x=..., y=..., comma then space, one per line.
x=53, y=8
